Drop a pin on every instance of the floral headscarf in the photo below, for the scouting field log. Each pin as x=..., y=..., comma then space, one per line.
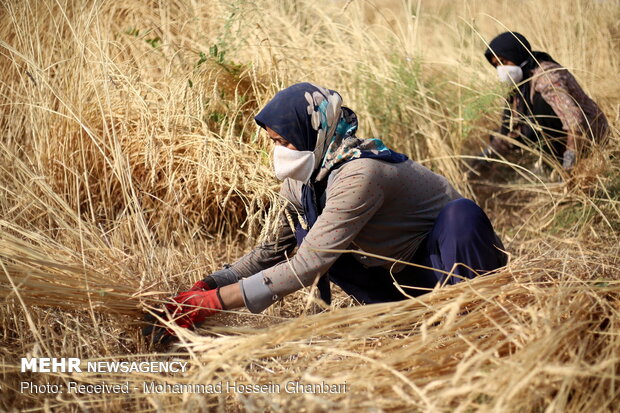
x=313, y=119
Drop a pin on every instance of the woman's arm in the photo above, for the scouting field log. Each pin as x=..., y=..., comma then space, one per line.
x=553, y=86
x=274, y=250
x=353, y=198
x=511, y=127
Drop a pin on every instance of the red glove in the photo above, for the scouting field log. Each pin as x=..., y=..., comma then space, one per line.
x=193, y=307
x=200, y=286
x=208, y=283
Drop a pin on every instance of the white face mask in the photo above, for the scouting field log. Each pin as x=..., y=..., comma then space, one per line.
x=509, y=74
x=289, y=163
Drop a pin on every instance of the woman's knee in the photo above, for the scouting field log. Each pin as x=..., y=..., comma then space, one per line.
x=462, y=220
x=460, y=211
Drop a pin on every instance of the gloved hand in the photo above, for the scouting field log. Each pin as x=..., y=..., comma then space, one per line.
x=193, y=307
x=187, y=309
x=568, y=160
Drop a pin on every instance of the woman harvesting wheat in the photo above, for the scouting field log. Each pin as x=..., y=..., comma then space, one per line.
x=546, y=108
x=344, y=192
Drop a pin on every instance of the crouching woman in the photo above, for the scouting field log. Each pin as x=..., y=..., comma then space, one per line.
x=546, y=108
x=347, y=193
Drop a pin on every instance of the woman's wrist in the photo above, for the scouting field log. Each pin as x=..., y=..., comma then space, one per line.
x=230, y=296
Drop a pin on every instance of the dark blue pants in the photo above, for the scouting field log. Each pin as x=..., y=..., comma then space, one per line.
x=462, y=235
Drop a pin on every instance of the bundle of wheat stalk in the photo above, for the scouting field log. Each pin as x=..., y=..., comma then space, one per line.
x=36, y=278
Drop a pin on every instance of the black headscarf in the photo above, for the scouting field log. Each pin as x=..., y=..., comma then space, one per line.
x=515, y=47
x=509, y=45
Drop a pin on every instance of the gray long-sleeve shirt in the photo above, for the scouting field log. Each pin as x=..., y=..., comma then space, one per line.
x=373, y=206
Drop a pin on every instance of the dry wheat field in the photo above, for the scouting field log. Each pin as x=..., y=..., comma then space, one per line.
x=130, y=167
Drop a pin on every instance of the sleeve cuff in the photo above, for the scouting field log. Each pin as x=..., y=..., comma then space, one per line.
x=256, y=292
x=224, y=277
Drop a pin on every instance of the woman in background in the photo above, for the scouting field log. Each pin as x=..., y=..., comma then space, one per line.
x=546, y=108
